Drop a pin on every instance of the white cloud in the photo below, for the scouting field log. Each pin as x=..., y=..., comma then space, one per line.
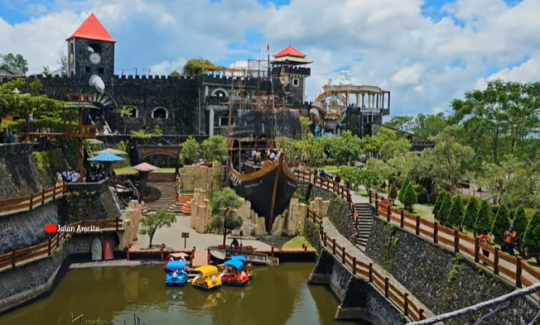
x=167, y=67
x=387, y=43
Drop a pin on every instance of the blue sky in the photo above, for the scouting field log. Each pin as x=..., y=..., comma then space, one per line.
x=425, y=53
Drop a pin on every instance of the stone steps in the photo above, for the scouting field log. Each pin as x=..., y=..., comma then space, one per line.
x=365, y=222
x=184, y=203
x=161, y=196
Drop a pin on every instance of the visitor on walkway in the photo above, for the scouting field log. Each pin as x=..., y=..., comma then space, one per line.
x=337, y=179
x=509, y=238
x=485, y=239
x=234, y=243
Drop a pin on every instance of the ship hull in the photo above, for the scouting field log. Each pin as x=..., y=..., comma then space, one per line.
x=272, y=186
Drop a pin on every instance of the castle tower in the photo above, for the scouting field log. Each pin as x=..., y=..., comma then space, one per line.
x=91, y=51
x=291, y=67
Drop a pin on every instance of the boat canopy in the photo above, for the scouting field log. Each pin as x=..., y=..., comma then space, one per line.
x=236, y=263
x=239, y=257
x=176, y=265
x=207, y=270
x=177, y=256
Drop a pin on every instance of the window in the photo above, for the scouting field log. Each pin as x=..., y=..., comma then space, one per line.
x=72, y=73
x=88, y=69
x=71, y=48
x=94, y=48
x=160, y=112
x=220, y=94
x=101, y=71
x=296, y=82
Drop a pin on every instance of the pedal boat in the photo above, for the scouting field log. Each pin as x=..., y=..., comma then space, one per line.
x=234, y=274
x=247, y=266
x=176, y=278
x=207, y=278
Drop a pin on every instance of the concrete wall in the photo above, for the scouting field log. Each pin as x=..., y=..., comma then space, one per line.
x=18, y=174
x=442, y=281
x=27, y=283
x=90, y=201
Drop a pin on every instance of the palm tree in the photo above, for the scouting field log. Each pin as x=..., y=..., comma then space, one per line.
x=124, y=111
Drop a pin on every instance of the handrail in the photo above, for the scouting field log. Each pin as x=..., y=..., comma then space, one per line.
x=47, y=249
x=513, y=268
x=330, y=185
x=368, y=272
x=30, y=202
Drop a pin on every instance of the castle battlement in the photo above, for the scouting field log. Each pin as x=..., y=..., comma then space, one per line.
x=296, y=70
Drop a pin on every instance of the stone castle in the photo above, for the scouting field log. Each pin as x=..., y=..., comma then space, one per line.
x=178, y=105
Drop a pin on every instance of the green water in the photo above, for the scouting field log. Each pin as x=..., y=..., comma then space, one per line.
x=276, y=296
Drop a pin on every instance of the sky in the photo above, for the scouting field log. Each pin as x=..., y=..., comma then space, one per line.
x=425, y=52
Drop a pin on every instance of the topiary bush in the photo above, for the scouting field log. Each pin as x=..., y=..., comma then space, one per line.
x=471, y=212
x=421, y=194
x=444, y=210
x=500, y=224
x=406, y=183
x=438, y=202
x=520, y=222
x=409, y=197
x=531, y=239
x=455, y=217
x=484, y=218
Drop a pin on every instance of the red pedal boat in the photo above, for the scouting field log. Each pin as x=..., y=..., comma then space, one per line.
x=234, y=274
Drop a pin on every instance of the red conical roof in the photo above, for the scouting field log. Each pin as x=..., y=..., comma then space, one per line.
x=290, y=51
x=92, y=29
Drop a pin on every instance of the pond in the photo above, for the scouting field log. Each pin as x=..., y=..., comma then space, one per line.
x=276, y=296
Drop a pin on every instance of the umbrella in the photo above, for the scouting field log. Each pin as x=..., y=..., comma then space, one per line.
x=144, y=169
x=111, y=150
x=107, y=159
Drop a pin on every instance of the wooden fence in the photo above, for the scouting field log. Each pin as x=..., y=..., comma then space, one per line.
x=47, y=249
x=336, y=188
x=30, y=202
x=368, y=272
x=513, y=268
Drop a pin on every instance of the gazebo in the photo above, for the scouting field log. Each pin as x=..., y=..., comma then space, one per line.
x=111, y=151
x=107, y=159
x=144, y=169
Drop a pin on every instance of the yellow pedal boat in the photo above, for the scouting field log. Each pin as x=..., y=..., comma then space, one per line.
x=207, y=278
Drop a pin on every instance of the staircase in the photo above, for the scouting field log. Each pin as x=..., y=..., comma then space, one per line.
x=365, y=221
x=184, y=201
x=161, y=196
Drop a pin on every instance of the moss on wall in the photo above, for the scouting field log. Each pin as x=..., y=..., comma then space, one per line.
x=340, y=216
x=48, y=163
x=312, y=234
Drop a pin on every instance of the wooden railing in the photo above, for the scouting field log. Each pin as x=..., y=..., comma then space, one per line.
x=30, y=202
x=328, y=184
x=368, y=272
x=47, y=249
x=513, y=268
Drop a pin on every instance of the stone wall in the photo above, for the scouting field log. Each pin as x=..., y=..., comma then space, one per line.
x=28, y=282
x=442, y=281
x=132, y=218
x=90, y=201
x=201, y=177
x=18, y=231
x=18, y=174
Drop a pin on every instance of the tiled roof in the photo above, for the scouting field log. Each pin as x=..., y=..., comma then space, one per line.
x=92, y=29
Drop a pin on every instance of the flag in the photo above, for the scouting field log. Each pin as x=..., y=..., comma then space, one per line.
x=149, y=71
x=268, y=47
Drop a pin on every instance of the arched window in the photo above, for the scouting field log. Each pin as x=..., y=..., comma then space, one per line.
x=221, y=93
x=160, y=112
x=71, y=48
x=94, y=48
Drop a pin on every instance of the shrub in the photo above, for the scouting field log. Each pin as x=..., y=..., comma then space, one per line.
x=471, y=212
x=440, y=199
x=484, y=218
x=531, y=239
x=520, y=223
x=501, y=223
x=444, y=210
x=402, y=189
x=393, y=193
x=455, y=217
x=421, y=194
x=409, y=197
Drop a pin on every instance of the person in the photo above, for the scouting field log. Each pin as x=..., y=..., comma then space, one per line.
x=174, y=275
x=337, y=179
x=234, y=243
x=9, y=138
x=509, y=238
x=485, y=238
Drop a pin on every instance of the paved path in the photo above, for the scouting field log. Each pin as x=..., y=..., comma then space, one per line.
x=360, y=256
x=172, y=237
x=360, y=199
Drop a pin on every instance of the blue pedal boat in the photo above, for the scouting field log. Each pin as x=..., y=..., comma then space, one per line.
x=176, y=279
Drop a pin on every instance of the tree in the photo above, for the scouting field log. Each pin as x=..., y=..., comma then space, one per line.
x=438, y=202
x=484, y=219
x=215, y=148
x=531, y=239
x=369, y=178
x=520, y=223
x=379, y=166
x=224, y=205
x=125, y=112
x=351, y=175
x=444, y=210
x=496, y=178
x=402, y=189
x=409, y=197
x=346, y=148
x=14, y=61
x=455, y=217
x=191, y=151
x=175, y=74
x=500, y=223
x=152, y=222
x=393, y=193
x=471, y=212
x=194, y=67
x=312, y=148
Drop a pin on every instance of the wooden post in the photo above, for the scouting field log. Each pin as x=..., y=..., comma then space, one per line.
x=43, y=197
x=496, y=262
x=406, y=304
x=369, y=195
x=402, y=220
x=54, y=192
x=343, y=255
x=193, y=251
x=49, y=248
x=272, y=249
x=386, y=287
x=376, y=205
x=370, y=272
x=31, y=201
x=13, y=259
x=476, y=249
x=417, y=225
x=117, y=221
x=208, y=257
x=127, y=251
x=161, y=251
x=58, y=238
x=354, y=265
x=435, y=232
x=518, y=271
x=334, y=246
x=305, y=248
x=456, y=241
x=421, y=314
x=388, y=213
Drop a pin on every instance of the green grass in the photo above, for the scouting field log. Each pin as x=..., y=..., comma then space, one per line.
x=297, y=242
x=330, y=169
x=130, y=170
x=418, y=212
